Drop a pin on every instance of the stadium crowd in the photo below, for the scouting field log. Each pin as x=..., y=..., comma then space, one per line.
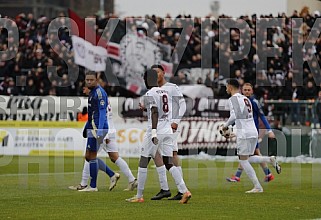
x=27, y=73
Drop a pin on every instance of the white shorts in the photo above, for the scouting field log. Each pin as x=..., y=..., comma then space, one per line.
x=111, y=146
x=165, y=143
x=175, y=146
x=246, y=147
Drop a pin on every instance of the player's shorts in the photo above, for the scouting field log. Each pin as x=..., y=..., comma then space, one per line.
x=92, y=143
x=112, y=145
x=246, y=147
x=175, y=145
x=165, y=143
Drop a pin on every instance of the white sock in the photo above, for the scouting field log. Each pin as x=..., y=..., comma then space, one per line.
x=250, y=173
x=85, y=174
x=125, y=169
x=259, y=159
x=178, y=179
x=162, y=177
x=141, y=176
x=180, y=170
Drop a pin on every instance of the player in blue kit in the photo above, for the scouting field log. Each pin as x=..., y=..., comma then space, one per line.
x=95, y=129
x=258, y=113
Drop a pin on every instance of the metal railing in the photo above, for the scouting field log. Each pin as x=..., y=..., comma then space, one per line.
x=303, y=110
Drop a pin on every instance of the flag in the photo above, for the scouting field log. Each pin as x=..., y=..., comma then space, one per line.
x=89, y=50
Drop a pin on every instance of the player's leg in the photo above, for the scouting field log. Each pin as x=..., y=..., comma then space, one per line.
x=148, y=150
x=84, y=178
x=237, y=176
x=95, y=163
x=183, y=194
x=91, y=157
x=161, y=171
x=167, y=150
x=112, y=150
x=268, y=175
x=265, y=159
x=246, y=147
x=176, y=161
x=141, y=177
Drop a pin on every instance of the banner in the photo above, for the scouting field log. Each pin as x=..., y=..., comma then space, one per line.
x=87, y=55
x=130, y=53
x=65, y=138
x=41, y=108
x=50, y=138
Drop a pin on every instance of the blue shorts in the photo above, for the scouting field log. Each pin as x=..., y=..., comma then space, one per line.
x=257, y=145
x=92, y=143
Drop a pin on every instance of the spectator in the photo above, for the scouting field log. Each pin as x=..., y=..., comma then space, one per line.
x=180, y=79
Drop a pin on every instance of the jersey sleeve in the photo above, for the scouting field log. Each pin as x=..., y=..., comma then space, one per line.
x=258, y=107
x=102, y=100
x=149, y=100
x=178, y=105
x=232, y=117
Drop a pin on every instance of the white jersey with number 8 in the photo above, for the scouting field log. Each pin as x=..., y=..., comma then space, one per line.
x=157, y=97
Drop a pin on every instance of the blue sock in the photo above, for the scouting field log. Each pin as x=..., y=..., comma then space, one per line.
x=266, y=170
x=238, y=172
x=93, y=167
x=103, y=167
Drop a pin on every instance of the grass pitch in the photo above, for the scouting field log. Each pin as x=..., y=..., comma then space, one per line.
x=36, y=188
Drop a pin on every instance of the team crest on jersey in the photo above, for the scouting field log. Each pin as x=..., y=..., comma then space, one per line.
x=102, y=102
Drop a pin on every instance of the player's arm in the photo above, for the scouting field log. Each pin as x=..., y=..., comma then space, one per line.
x=102, y=107
x=257, y=107
x=178, y=101
x=151, y=104
x=232, y=117
x=154, y=117
x=84, y=132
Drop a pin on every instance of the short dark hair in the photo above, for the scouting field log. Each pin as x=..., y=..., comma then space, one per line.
x=158, y=66
x=233, y=82
x=92, y=73
x=150, y=78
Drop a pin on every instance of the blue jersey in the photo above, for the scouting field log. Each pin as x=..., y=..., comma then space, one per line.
x=97, y=110
x=258, y=113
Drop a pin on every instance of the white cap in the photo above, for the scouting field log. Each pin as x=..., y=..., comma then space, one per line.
x=317, y=13
x=156, y=34
x=211, y=33
x=145, y=25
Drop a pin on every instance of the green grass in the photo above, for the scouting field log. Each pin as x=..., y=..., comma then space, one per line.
x=36, y=188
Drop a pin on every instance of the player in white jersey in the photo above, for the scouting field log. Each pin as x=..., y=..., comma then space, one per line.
x=246, y=133
x=177, y=105
x=110, y=147
x=157, y=140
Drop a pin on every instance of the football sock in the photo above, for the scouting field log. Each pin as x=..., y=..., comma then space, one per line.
x=162, y=177
x=239, y=172
x=259, y=159
x=180, y=170
x=103, y=167
x=266, y=171
x=93, y=172
x=141, y=177
x=123, y=166
x=178, y=179
x=250, y=173
x=85, y=174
